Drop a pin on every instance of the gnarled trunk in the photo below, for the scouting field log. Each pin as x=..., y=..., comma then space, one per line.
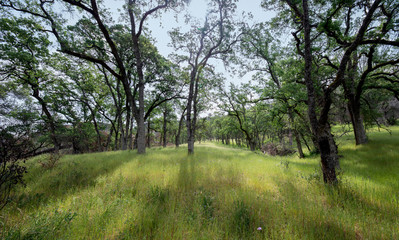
x=320, y=127
x=328, y=159
x=357, y=122
x=353, y=98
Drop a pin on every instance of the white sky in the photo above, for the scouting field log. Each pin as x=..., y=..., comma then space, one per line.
x=197, y=8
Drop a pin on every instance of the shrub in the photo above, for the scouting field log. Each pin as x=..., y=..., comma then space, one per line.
x=51, y=161
x=13, y=148
x=275, y=150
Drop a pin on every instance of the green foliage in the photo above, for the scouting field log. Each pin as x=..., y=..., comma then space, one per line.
x=14, y=146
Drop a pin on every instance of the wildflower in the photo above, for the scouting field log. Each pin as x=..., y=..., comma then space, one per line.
x=259, y=229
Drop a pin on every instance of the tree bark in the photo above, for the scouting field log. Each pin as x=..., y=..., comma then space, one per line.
x=190, y=121
x=164, y=130
x=109, y=139
x=148, y=133
x=327, y=159
x=131, y=134
x=140, y=124
x=298, y=144
x=125, y=138
x=319, y=129
x=357, y=121
x=99, y=145
x=296, y=134
x=358, y=127
x=139, y=67
x=304, y=140
x=177, y=139
x=354, y=102
x=252, y=145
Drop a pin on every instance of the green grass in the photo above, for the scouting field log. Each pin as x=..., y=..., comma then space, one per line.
x=219, y=193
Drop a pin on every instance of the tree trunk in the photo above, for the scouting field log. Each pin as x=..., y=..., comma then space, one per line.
x=99, y=145
x=190, y=132
x=131, y=134
x=298, y=144
x=148, y=133
x=121, y=137
x=328, y=160
x=252, y=145
x=354, y=101
x=296, y=134
x=135, y=141
x=127, y=124
x=306, y=142
x=333, y=147
x=109, y=139
x=357, y=121
x=116, y=145
x=140, y=124
x=118, y=130
x=93, y=117
x=358, y=128
x=165, y=115
x=177, y=140
x=140, y=75
x=192, y=109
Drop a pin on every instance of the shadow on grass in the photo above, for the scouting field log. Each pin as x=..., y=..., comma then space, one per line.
x=187, y=174
x=73, y=173
x=305, y=218
x=151, y=217
x=377, y=161
x=190, y=206
x=333, y=215
x=161, y=203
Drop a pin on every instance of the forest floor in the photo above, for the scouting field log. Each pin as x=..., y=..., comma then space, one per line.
x=219, y=193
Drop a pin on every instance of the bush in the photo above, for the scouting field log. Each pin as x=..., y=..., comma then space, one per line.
x=13, y=148
x=275, y=150
x=51, y=161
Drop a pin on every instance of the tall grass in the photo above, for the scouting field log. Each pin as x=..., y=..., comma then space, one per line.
x=219, y=193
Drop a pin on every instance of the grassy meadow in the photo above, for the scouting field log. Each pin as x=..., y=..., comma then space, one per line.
x=219, y=193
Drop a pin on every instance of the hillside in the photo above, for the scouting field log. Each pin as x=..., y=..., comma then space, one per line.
x=219, y=193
